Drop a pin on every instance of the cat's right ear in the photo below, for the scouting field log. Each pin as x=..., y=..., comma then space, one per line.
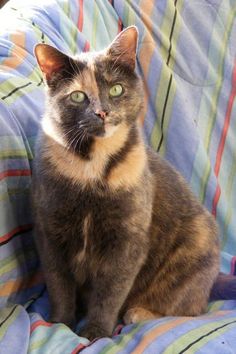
x=50, y=60
x=124, y=46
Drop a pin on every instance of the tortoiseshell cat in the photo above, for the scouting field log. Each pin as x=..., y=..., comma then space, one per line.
x=120, y=234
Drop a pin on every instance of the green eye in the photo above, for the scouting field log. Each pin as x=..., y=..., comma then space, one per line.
x=77, y=96
x=116, y=90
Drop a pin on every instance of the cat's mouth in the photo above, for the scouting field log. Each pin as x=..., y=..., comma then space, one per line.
x=101, y=128
x=91, y=127
x=95, y=129
x=78, y=139
x=104, y=131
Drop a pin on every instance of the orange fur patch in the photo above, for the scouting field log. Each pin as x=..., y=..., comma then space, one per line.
x=138, y=314
x=86, y=172
x=129, y=171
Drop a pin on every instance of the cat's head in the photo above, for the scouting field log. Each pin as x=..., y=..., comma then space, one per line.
x=94, y=94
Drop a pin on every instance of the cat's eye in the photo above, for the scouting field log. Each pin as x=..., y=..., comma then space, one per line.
x=116, y=90
x=77, y=96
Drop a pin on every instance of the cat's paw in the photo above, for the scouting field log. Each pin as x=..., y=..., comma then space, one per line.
x=92, y=332
x=138, y=314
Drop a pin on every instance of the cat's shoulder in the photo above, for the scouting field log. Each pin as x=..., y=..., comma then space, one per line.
x=158, y=164
x=165, y=176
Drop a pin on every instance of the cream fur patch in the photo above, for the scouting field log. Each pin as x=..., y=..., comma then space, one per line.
x=85, y=231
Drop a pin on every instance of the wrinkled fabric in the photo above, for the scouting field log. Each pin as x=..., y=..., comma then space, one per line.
x=186, y=57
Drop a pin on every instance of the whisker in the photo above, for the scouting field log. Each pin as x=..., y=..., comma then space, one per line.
x=68, y=132
x=81, y=141
x=74, y=67
x=75, y=136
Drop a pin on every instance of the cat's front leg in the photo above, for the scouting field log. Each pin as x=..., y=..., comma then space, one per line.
x=59, y=281
x=110, y=286
x=62, y=295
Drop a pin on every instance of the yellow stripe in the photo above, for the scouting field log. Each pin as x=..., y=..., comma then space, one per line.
x=17, y=260
x=14, y=192
x=13, y=286
x=194, y=334
x=14, y=153
x=3, y=314
x=166, y=72
x=156, y=332
x=211, y=336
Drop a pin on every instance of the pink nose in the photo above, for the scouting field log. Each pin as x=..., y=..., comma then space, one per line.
x=102, y=114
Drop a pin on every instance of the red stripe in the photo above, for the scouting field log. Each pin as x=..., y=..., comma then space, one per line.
x=233, y=266
x=14, y=173
x=81, y=16
x=10, y=234
x=78, y=348
x=81, y=22
x=118, y=329
x=119, y=25
x=40, y=323
x=223, y=138
x=86, y=47
x=216, y=199
x=226, y=123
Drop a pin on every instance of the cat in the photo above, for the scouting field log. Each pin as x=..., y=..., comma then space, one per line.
x=119, y=232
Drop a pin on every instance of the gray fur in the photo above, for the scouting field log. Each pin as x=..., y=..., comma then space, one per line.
x=130, y=251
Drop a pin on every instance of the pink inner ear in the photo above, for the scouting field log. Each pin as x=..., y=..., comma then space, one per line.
x=49, y=59
x=129, y=40
x=49, y=68
x=124, y=46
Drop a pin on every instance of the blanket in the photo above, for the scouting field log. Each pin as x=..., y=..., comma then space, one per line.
x=187, y=59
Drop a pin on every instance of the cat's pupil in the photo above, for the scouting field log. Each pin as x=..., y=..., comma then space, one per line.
x=116, y=90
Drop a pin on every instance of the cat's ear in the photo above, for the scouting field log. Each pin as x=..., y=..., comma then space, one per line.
x=123, y=48
x=50, y=60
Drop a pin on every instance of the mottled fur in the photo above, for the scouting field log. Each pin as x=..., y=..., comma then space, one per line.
x=119, y=232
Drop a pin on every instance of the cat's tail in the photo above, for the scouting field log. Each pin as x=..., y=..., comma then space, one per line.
x=224, y=288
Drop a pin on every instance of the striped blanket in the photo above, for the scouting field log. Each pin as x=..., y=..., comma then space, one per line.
x=187, y=58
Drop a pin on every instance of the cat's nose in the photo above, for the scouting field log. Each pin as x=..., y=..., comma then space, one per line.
x=101, y=114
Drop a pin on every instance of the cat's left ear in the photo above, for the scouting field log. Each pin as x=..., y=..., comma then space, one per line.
x=123, y=48
x=50, y=60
